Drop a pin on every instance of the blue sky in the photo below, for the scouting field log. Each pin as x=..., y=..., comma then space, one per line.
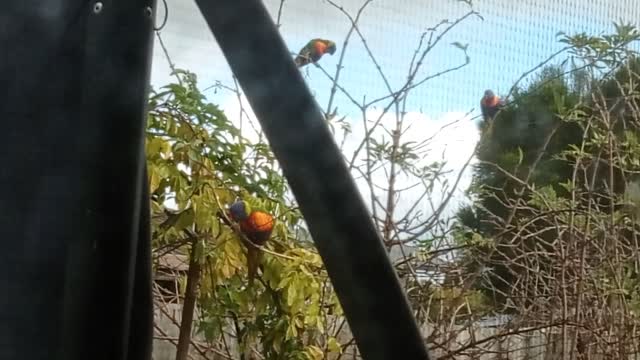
x=514, y=37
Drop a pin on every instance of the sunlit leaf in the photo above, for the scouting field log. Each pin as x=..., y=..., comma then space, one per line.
x=334, y=346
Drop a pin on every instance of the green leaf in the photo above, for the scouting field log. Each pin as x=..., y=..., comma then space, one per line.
x=185, y=220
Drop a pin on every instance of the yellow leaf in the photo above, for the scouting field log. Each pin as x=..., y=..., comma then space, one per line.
x=283, y=282
x=333, y=345
x=292, y=332
x=157, y=208
x=165, y=149
x=203, y=216
x=291, y=294
x=151, y=148
x=157, y=146
x=182, y=285
x=232, y=248
x=303, y=269
x=235, y=260
x=226, y=270
x=312, y=310
x=154, y=180
x=320, y=324
x=314, y=352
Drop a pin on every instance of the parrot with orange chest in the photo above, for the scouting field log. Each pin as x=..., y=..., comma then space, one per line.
x=257, y=226
x=490, y=105
x=314, y=50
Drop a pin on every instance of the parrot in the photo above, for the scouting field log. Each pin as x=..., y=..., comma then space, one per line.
x=314, y=50
x=490, y=105
x=257, y=226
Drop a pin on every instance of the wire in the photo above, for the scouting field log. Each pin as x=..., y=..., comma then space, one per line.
x=166, y=16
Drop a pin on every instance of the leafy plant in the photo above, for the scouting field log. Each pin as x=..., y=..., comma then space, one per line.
x=198, y=164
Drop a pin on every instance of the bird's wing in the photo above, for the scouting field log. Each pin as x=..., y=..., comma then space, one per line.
x=304, y=56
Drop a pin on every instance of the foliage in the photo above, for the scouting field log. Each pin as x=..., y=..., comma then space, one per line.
x=198, y=160
x=554, y=222
x=521, y=147
x=529, y=154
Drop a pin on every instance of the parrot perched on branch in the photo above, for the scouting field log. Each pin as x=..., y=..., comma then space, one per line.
x=257, y=226
x=490, y=105
x=314, y=50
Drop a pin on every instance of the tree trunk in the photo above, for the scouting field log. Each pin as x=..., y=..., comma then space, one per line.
x=190, y=296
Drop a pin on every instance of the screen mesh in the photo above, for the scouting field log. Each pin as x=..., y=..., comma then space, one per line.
x=510, y=239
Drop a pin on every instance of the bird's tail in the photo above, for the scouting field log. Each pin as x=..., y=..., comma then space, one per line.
x=253, y=260
x=301, y=61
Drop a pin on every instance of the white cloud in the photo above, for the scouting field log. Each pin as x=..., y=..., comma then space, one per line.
x=450, y=138
x=240, y=113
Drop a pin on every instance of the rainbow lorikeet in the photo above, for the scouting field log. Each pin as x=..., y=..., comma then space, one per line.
x=490, y=105
x=257, y=226
x=314, y=50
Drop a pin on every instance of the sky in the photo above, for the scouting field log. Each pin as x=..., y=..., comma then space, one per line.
x=512, y=38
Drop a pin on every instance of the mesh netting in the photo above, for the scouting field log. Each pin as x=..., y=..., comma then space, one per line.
x=507, y=244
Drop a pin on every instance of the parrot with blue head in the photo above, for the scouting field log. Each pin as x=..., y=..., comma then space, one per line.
x=314, y=50
x=257, y=226
x=490, y=105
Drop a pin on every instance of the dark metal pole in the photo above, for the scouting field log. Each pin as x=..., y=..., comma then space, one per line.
x=341, y=225
x=74, y=212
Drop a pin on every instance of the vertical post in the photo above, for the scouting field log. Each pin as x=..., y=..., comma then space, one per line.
x=74, y=221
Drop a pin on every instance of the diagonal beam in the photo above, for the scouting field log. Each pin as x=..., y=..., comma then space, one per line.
x=339, y=221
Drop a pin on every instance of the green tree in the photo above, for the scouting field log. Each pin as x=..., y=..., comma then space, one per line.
x=528, y=158
x=521, y=145
x=198, y=159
